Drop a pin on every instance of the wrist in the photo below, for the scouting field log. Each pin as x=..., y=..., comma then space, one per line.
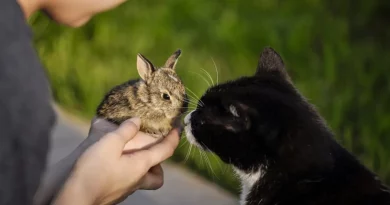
x=76, y=191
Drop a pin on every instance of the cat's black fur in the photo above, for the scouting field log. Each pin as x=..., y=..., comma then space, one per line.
x=263, y=123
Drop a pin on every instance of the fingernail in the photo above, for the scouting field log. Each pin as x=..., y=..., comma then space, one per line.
x=95, y=121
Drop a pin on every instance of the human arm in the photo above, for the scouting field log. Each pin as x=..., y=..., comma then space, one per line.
x=56, y=175
x=137, y=169
x=107, y=174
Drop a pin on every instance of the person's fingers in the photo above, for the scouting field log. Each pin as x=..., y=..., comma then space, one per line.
x=154, y=179
x=140, y=141
x=99, y=128
x=117, y=139
x=128, y=128
x=103, y=125
x=160, y=151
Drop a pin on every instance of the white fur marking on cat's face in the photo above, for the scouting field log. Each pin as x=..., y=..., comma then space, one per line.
x=233, y=110
x=188, y=129
x=247, y=182
x=174, y=78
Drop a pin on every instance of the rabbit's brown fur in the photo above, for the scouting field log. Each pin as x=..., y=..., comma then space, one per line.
x=144, y=98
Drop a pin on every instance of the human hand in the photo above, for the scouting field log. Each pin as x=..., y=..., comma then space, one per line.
x=106, y=174
x=100, y=127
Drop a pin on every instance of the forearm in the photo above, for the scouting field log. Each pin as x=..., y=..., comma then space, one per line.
x=55, y=178
x=57, y=175
x=74, y=192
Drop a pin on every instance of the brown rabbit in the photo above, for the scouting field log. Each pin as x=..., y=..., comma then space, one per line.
x=158, y=98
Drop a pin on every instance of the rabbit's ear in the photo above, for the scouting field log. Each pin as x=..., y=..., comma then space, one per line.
x=172, y=60
x=144, y=66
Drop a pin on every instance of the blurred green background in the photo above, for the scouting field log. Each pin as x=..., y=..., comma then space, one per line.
x=337, y=52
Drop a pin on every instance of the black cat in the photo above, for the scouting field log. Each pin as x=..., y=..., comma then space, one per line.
x=278, y=143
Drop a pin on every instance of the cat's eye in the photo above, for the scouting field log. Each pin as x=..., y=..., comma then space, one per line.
x=166, y=96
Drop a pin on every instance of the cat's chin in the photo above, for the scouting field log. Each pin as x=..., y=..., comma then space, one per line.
x=188, y=130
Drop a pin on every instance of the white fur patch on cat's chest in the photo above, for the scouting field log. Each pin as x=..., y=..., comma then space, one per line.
x=247, y=182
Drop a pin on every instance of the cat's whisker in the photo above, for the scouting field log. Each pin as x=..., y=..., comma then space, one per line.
x=192, y=95
x=207, y=73
x=208, y=83
x=216, y=68
x=193, y=99
x=189, y=101
x=173, y=108
x=188, y=153
x=167, y=108
x=192, y=106
x=183, y=114
x=209, y=164
x=207, y=149
x=201, y=158
x=216, y=159
x=182, y=142
x=200, y=101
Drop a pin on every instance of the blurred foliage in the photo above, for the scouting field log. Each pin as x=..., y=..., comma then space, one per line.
x=337, y=52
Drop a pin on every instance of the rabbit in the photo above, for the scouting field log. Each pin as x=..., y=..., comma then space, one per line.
x=158, y=98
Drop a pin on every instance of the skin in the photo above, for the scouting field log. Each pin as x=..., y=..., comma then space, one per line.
x=133, y=157
x=73, y=13
x=120, y=163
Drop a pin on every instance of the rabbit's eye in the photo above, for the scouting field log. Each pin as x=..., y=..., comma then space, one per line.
x=166, y=96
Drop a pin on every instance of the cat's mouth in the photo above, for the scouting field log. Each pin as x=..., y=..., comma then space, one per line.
x=188, y=130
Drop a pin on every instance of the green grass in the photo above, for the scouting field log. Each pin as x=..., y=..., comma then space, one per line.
x=340, y=68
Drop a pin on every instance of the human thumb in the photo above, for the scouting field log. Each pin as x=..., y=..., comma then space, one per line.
x=125, y=132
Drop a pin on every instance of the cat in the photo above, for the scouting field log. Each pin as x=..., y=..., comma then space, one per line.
x=278, y=144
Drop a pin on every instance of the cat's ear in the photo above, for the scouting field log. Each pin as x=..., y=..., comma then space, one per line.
x=270, y=62
x=172, y=60
x=144, y=66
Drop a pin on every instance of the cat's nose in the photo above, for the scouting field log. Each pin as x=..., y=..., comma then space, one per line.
x=187, y=118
